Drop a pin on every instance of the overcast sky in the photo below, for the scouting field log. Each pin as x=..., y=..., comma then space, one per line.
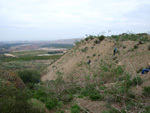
x=64, y=19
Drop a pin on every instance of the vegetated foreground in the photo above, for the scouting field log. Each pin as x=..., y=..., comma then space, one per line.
x=109, y=84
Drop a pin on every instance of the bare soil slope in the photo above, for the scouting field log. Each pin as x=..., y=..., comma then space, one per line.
x=74, y=62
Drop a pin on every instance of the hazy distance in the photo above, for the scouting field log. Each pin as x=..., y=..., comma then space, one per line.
x=66, y=19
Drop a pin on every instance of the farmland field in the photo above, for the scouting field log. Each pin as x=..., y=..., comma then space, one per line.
x=27, y=60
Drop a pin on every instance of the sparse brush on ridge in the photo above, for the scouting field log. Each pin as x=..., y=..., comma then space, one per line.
x=91, y=37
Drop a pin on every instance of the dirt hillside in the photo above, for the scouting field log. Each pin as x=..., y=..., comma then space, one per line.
x=74, y=63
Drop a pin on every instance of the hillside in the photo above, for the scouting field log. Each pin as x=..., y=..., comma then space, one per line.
x=74, y=62
x=112, y=83
x=69, y=84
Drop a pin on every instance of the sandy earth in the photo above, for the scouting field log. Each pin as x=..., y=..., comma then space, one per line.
x=6, y=54
x=74, y=63
x=69, y=63
x=75, y=56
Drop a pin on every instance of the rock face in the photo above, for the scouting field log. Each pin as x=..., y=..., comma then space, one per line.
x=13, y=78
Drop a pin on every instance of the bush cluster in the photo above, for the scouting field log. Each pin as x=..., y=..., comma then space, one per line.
x=102, y=37
x=13, y=100
x=90, y=91
x=141, y=37
x=29, y=77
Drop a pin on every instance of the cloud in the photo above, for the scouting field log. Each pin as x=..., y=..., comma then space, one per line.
x=78, y=17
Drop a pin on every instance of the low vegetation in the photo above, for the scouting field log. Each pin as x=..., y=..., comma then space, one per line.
x=29, y=77
x=142, y=37
x=13, y=100
x=56, y=93
x=27, y=58
x=108, y=83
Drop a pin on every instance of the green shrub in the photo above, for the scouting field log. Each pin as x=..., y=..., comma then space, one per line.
x=40, y=95
x=87, y=90
x=65, y=97
x=80, y=96
x=90, y=91
x=114, y=58
x=88, y=56
x=118, y=51
x=147, y=109
x=97, y=41
x=118, y=70
x=146, y=91
x=127, y=82
x=102, y=37
x=51, y=103
x=90, y=37
x=141, y=42
x=75, y=109
x=94, y=55
x=124, y=47
x=62, y=112
x=85, y=49
x=87, y=39
x=136, y=46
x=116, y=61
x=137, y=80
x=95, y=96
x=67, y=94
